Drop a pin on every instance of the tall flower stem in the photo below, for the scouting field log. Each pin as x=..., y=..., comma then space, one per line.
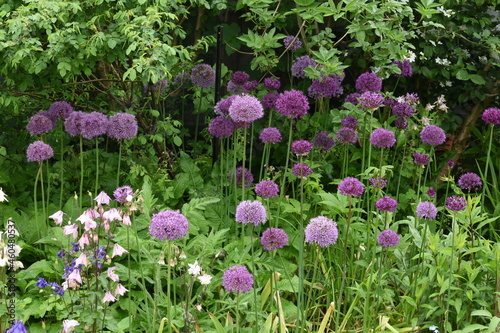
x=300, y=296
x=61, y=170
x=35, y=202
x=81, y=173
x=97, y=165
x=488, y=159
x=169, y=280
x=243, y=174
x=119, y=161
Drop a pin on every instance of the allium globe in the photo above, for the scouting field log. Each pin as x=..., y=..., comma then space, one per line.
x=382, y=138
x=242, y=175
x=39, y=151
x=301, y=147
x=168, y=224
x=299, y=64
x=60, y=110
x=433, y=135
x=123, y=194
x=251, y=212
x=221, y=127
x=371, y=100
x=388, y=238
x=245, y=109
x=39, y=124
x=327, y=87
x=237, y=280
x=270, y=135
x=456, y=203
x=73, y=124
x=203, y=75
x=240, y=77
x=271, y=83
x=292, y=43
x=350, y=122
x=301, y=170
x=269, y=100
x=322, y=231
x=405, y=67
x=402, y=110
x=346, y=135
x=292, y=104
x=274, y=238
x=469, y=181
x=323, y=141
x=122, y=126
x=222, y=106
x=368, y=82
x=426, y=210
x=386, y=204
x=267, y=189
x=351, y=186
x=94, y=124
x=491, y=116
x=422, y=159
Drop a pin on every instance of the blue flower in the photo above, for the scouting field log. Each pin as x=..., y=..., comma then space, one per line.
x=57, y=289
x=41, y=283
x=17, y=327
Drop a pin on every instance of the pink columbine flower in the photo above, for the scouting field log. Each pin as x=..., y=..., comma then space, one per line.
x=112, y=275
x=118, y=250
x=120, y=290
x=126, y=219
x=102, y=199
x=71, y=229
x=112, y=214
x=84, y=240
x=75, y=275
x=108, y=297
x=69, y=325
x=82, y=260
x=57, y=217
x=87, y=218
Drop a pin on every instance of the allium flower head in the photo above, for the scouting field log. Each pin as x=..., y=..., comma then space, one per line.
x=123, y=194
x=168, y=224
x=382, y=138
x=94, y=124
x=450, y=163
x=433, y=135
x=292, y=104
x=346, y=135
x=267, y=189
x=321, y=230
x=491, y=116
x=245, y=109
x=409, y=98
x=292, y=43
x=368, y=82
x=73, y=124
x=350, y=122
x=17, y=327
x=39, y=151
x=405, y=67
x=221, y=127
x=242, y=175
x=237, y=280
x=203, y=75
x=301, y=170
x=251, y=212
x=240, y=77
x=270, y=135
x=422, y=159
x=328, y=87
x=299, y=64
x=431, y=192
x=469, y=181
x=388, y=238
x=274, y=238
x=61, y=109
x=352, y=98
x=371, y=100
x=250, y=85
x=378, y=182
x=222, y=106
x=323, y=141
x=386, y=204
x=122, y=126
x=351, y=186
x=402, y=110
x=39, y=124
x=401, y=123
x=426, y=210
x=271, y=83
x=456, y=203
x=301, y=147
x=269, y=100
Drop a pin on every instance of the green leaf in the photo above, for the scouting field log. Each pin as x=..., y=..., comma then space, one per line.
x=484, y=313
x=462, y=75
x=477, y=79
x=304, y=3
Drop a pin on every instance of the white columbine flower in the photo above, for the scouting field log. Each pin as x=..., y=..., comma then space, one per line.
x=194, y=269
x=3, y=196
x=205, y=279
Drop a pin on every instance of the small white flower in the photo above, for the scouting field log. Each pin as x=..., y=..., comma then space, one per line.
x=205, y=279
x=3, y=196
x=444, y=61
x=434, y=328
x=410, y=56
x=194, y=269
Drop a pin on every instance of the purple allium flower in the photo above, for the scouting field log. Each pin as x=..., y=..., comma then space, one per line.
x=274, y=238
x=181, y=78
x=351, y=186
x=426, y=210
x=270, y=135
x=73, y=124
x=433, y=135
x=39, y=151
x=350, y=122
x=378, y=182
x=299, y=64
x=371, y=100
x=352, y=98
x=94, y=124
x=168, y=224
x=250, y=85
x=456, y=203
x=469, y=181
x=237, y=280
x=221, y=127
x=390, y=102
x=235, y=88
x=401, y=123
x=251, y=212
x=123, y=194
x=301, y=170
x=222, y=107
x=41, y=283
x=405, y=67
x=431, y=192
x=422, y=159
x=39, y=124
x=491, y=116
x=382, y=138
x=269, y=100
x=242, y=174
x=328, y=86
x=203, y=75
x=292, y=104
x=388, y=238
x=450, y=163
x=240, y=77
x=321, y=230
x=267, y=189
x=245, y=109
x=57, y=289
x=271, y=83
x=409, y=98
x=122, y=126
x=323, y=141
x=292, y=43
x=17, y=327
x=386, y=204
x=61, y=109
x=301, y=147
x=346, y=135
x=368, y=82
x=402, y=110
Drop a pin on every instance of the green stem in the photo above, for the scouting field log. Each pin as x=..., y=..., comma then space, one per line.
x=169, y=301
x=485, y=182
x=119, y=161
x=300, y=301
x=81, y=173
x=96, y=166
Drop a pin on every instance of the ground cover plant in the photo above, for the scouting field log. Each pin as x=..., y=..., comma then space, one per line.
x=311, y=167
